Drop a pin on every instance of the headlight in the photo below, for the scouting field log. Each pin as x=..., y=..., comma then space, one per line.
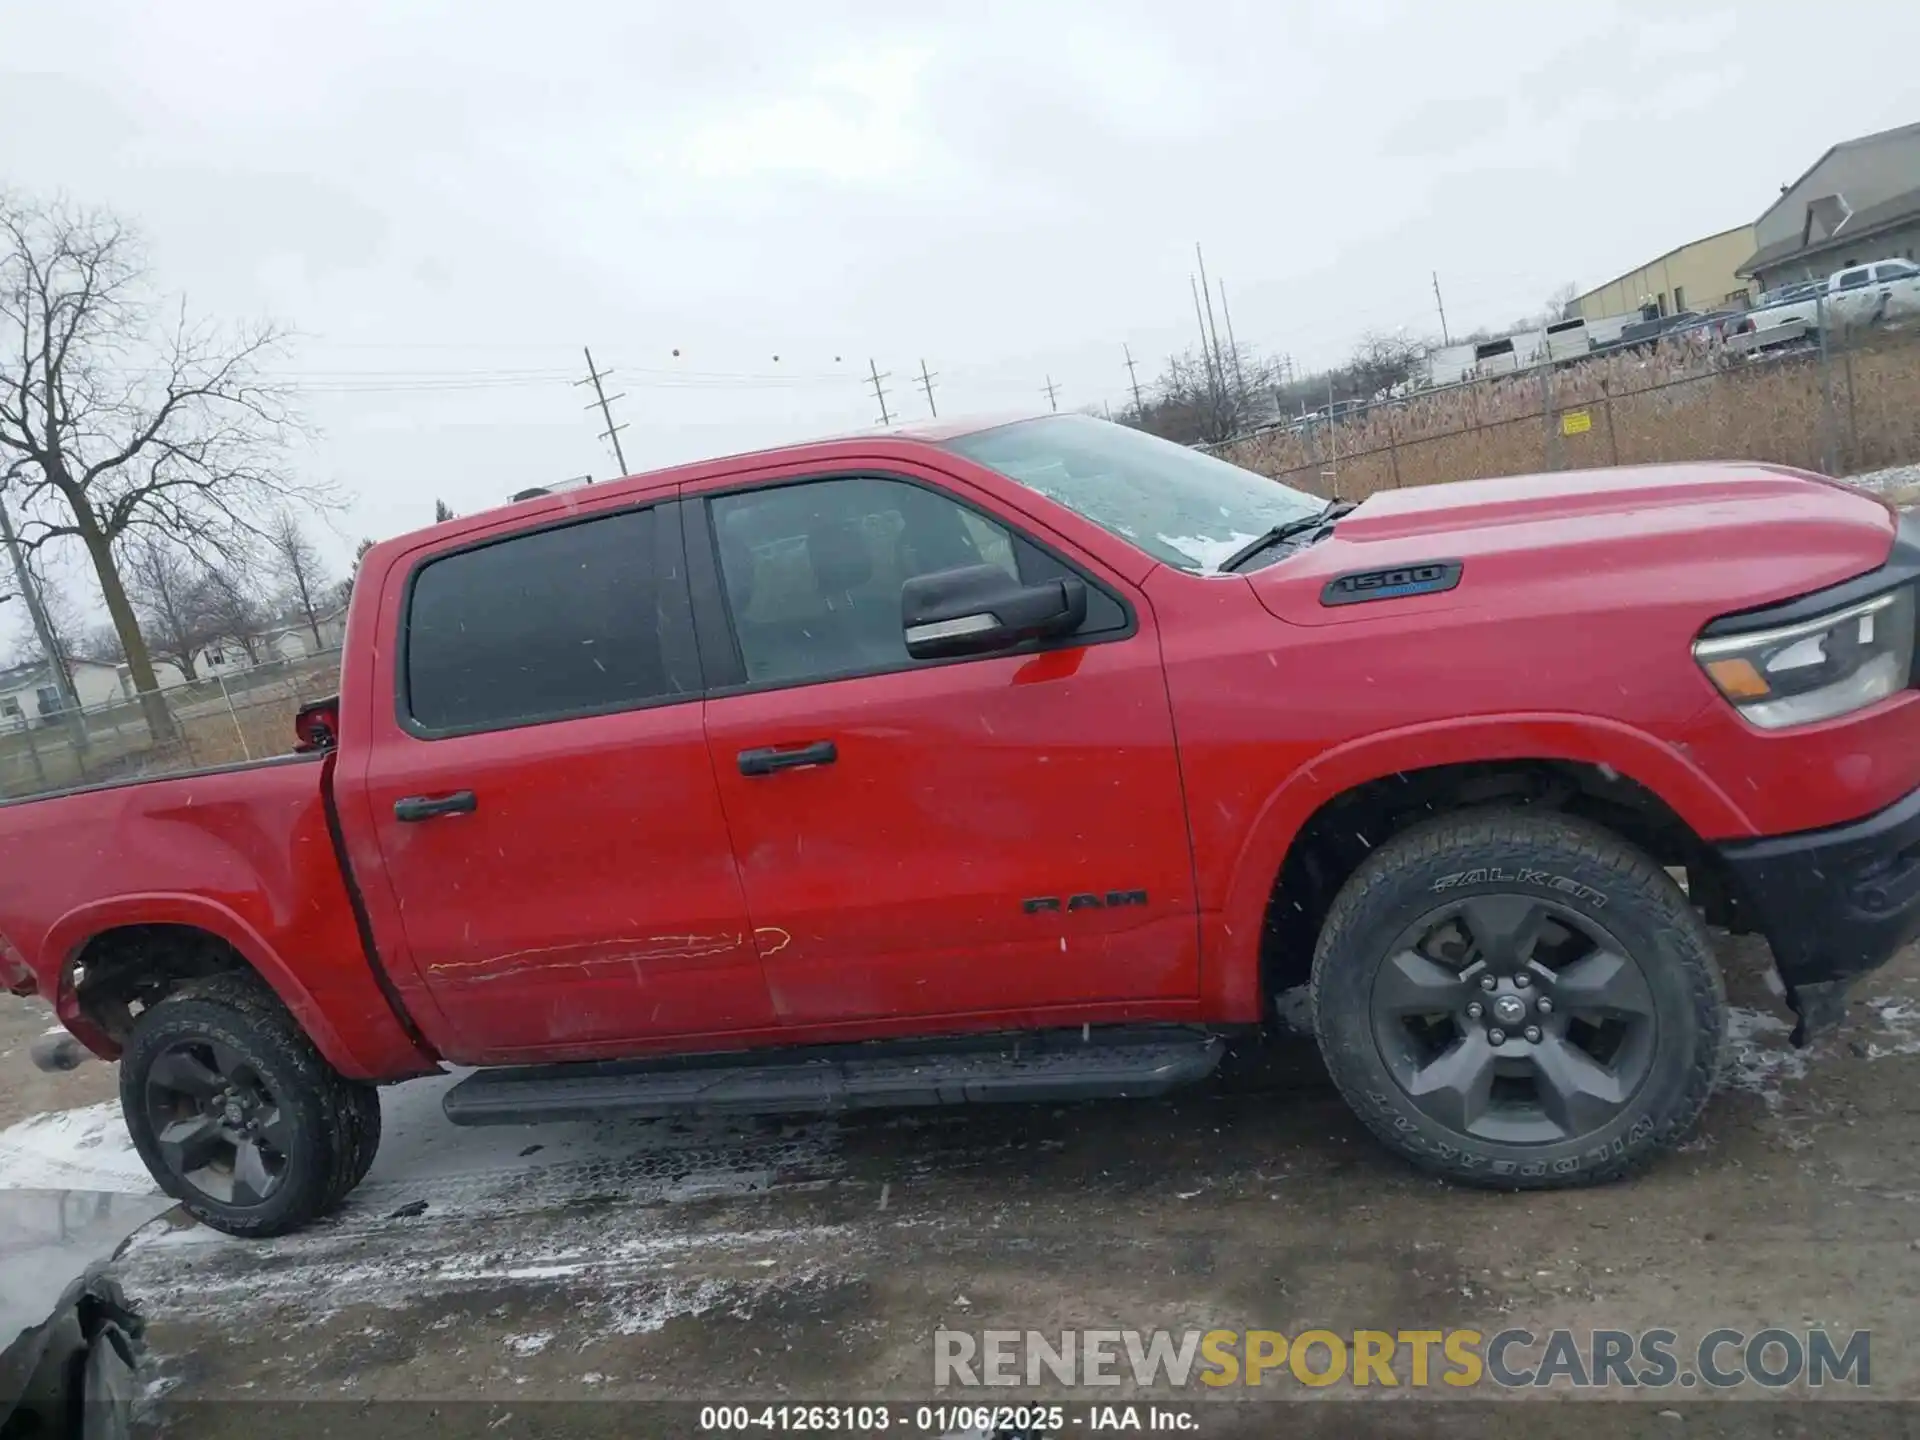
x=1816, y=669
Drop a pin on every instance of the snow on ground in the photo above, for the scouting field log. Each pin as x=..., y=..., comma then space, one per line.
x=1894, y=477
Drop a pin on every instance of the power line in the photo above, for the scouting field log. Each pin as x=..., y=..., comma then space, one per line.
x=875, y=376
x=926, y=384
x=1139, y=407
x=612, y=432
x=1050, y=387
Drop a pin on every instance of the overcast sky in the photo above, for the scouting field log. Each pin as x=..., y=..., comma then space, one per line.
x=447, y=200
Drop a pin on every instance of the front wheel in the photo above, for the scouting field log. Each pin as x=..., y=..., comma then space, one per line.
x=1519, y=1000
x=236, y=1114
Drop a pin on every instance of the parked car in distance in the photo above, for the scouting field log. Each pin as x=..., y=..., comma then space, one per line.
x=1860, y=295
x=1032, y=761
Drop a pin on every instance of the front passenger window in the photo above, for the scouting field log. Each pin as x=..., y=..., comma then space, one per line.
x=813, y=571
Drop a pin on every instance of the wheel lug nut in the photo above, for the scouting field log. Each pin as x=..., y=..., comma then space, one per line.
x=1532, y=1032
x=1496, y=1036
x=1544, y=1005
x=1487, y=982
x=1521, y=980
x=1476, y=1010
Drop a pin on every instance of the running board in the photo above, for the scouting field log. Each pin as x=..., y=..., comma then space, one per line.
x=1119, y=1062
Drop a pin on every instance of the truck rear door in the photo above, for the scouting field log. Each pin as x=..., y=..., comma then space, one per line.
x=549, y=836
x=997, y=835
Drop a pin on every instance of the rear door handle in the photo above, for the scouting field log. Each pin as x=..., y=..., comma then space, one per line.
x=771, y=758
x=422, y=807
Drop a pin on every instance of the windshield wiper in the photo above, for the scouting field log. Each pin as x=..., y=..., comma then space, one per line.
x=1288, y=530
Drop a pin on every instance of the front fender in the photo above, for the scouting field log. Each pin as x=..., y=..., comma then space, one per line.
x=1233, y=933
x=69, y=936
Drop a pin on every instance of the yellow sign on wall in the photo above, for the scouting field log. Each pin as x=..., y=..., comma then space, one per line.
x=1576, y=422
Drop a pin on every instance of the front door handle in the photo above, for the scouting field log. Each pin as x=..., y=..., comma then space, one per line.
x=771, y=758
x=422, y=807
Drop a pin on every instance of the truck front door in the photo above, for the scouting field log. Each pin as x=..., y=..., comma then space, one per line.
x=997, y=836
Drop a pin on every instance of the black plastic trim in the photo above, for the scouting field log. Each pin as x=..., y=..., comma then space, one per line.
x=1838, y=902
x=1051, y=1065
x=1901, y=567
x=668, y=558
x=362, y=920
x=713, y=613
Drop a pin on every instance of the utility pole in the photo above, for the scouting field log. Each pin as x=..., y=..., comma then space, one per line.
x=1445, y=339
x=604, y=402
x=1207, y=290
x=1206, y=351
x=879, y=391
x=1233, y=345
x=926, y=384
x=1139, y=406
x=43, y=632
x=1050, y=387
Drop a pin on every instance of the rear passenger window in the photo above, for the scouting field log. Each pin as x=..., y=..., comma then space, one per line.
x=1853, y=279
x=541, y=626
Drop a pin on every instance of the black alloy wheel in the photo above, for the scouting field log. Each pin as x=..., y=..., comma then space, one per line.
x=1510, y=1018
x=217, y=1123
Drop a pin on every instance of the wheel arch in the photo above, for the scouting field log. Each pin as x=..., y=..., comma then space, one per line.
x=135, y=949
x=1618, y=775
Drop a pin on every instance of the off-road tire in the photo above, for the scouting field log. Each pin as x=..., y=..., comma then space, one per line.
x=1565, y=861
x=335, y=1122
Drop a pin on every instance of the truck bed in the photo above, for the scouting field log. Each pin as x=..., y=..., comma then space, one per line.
x=244, y=852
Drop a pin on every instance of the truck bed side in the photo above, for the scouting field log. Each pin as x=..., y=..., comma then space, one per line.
x=239, y=864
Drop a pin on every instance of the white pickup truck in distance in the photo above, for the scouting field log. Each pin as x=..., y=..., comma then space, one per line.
x=1878, y=293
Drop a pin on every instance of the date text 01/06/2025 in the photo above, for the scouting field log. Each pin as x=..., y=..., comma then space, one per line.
x=946, y=1420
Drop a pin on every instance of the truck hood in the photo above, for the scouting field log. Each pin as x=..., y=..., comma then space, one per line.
x=1709, y=537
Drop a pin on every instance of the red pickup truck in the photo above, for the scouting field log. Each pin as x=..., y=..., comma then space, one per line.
x=1021, y=762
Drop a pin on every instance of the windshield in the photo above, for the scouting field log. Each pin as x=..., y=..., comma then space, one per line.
x=1178, y=505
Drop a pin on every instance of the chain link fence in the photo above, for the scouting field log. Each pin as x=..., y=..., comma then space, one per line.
x=216, y=720
x=1838, y=401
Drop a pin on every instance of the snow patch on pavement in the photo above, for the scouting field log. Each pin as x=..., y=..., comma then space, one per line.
x=1760, y=1057
x=84, y=1149
x=1899, y=1017
x=1894, y=477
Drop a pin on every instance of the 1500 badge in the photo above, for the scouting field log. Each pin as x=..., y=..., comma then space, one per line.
x=1429, y=577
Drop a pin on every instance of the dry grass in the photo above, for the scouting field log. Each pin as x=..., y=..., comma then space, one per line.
x=208, y=733
x=1679, y=402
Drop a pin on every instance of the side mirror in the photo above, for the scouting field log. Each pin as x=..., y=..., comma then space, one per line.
x=980, y=608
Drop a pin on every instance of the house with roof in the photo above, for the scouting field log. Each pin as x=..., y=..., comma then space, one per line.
x=30, y=695
x=1857, y=203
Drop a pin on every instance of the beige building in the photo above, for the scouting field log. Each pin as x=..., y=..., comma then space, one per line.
x=1702, y=275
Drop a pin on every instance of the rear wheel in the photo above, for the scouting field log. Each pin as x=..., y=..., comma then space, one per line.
x=237, y=1115
x=1519, y=1000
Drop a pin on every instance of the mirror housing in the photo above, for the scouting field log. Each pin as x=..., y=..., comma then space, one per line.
x=978, y=609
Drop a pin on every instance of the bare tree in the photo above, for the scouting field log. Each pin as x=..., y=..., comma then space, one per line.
x=117, y=426
x=170, y=596
x=229, y=603
x=442, y=511
x=100, y=643
x=301, y=570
